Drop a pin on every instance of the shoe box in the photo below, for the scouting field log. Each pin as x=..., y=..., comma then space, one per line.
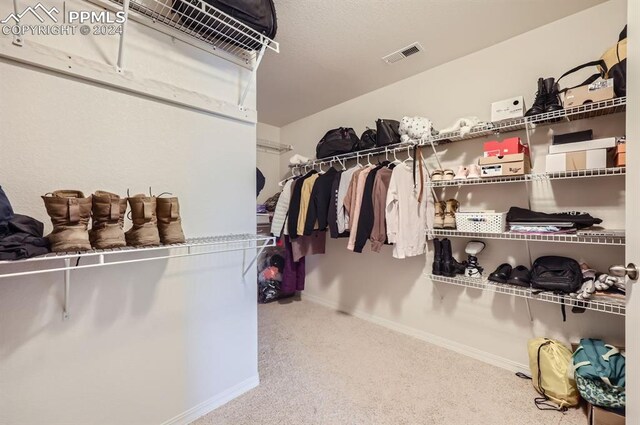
x=574, y=161
x=620, y=155
x=595, y=92
x=505, y=165
x=510, y=146
x=508, y=109
x=602, y=416
x=606, y=143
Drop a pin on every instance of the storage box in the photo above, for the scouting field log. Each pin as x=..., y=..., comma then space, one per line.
x=620, y=155
x=594, y=92
x=507, y=109
x=481, y=222
x=601, y=416
x=574, y=161
x=509, y=146
x=606, y=143
x=574, y=137
x=507, y=165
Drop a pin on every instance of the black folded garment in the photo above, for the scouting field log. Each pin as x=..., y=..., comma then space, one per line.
x=579, y=219
x=22, y=238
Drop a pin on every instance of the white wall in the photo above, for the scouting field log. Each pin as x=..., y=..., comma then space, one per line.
x=394, y=292
x=268, y=161
x=145, y=342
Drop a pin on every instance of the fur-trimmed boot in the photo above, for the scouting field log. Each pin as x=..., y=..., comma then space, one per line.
x=107, y=228
x=70, y=212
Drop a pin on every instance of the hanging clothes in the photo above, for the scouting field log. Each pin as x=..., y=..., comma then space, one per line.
x=282, y=208
x=294, y=204
x=380, y=189
x=318, y=210
x=365, y=216
x=305, y=197
x=332, y=214
x=341, y=209
x=356, y=205
x=294, y=272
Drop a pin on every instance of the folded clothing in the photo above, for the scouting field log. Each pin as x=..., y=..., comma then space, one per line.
x=22, y=238
x=580, y=220
x=298, y=159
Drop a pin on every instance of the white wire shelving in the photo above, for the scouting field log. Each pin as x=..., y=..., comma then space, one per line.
x=73, y=261
x=565, y=238
x=485, y=285
x=364, y=154
x=270, y=146
x=535, y=177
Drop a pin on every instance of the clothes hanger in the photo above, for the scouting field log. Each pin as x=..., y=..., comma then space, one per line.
x=409, y=158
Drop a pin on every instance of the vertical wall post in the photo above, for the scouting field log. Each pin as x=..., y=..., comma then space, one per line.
x=67, y=288
x=120, y=62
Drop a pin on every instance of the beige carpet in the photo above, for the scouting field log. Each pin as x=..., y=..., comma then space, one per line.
x=318, y=366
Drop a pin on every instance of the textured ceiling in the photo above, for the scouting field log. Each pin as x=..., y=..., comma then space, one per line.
x=331, y=50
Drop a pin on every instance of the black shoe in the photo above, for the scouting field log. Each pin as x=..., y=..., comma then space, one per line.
x=539, y=104
x=552, y=102
x=502, y=273
x=437, y=258
x=450, y=267
x=520, y=276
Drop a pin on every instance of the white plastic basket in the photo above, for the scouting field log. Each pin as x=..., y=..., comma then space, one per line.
x=481, y=222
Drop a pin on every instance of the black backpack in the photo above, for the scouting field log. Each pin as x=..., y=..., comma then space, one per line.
x=336, y=142
x=367, y=140
x=557, y=274
x=387, y=132
x=257, y=14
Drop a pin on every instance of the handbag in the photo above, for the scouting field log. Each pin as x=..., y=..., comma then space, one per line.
x=367, y=140
x=259, y=15
x=336, y=142
x=557, y=274
x=612, y=64
x=387, y=132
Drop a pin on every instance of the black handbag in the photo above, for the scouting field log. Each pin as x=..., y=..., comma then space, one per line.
x=387, y=132
x=257, y=14
x=367, y=140
x=336, y=142
x=557, y=274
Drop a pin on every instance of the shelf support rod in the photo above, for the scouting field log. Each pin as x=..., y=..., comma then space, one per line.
x=254, y=72
x=67, y=288
x=17, y=39
x=526, y=300
x=120, y=62
x=254, y=259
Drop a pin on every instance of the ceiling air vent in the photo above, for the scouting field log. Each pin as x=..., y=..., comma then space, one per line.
x=403, y=53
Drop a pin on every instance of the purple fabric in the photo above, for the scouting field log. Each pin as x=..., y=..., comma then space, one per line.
x=294, y=272
x=309, y=245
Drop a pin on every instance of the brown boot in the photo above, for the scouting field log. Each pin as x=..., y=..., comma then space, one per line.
x=450, y=214
x=169, y=221
x=145, y=224
x=107, y=229
x=70, y=212
x=438, y=223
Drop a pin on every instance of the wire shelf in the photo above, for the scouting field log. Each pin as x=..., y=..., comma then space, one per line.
x=386, y=150
x=108, y=257
x=590, y=110
x=535, y=177
x=565, y=238
x=485, y=285
x=200, y=22
x=270, y=146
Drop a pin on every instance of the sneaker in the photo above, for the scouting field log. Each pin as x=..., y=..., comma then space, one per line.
x=462, y=173
x=474, y=171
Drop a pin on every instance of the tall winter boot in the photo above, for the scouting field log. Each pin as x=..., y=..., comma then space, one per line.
x=70, y=212
x=451, y=208
x=144, y=231
x=437, y=258
x=169, y=221
x=438, y=221
x=107, y=228
x=552, y=103
x=539, y=104
x=450, y=267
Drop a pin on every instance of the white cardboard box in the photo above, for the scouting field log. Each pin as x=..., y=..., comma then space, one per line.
x=507, y=109
x=608, y=142
x=574, y=161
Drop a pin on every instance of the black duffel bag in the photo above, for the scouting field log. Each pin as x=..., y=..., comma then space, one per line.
x=387, y=132
x=557, y=274
x=336, y=142
x=257, y=14
x=523, y=215
x=367, y=140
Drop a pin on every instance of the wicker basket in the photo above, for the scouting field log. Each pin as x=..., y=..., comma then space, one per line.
x=481, y=222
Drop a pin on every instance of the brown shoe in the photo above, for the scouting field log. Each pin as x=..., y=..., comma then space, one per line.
x=169, y=221
x=144, y=231
x=107, y=229
x=438, y=223
x=70, y=212
x=450, y=214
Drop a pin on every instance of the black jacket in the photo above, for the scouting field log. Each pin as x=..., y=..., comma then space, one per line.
x=22, y=238
x=319, y=202
x=294, y=204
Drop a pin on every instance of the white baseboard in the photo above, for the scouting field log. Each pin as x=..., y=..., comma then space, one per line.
x=213, y=403
x=466, y=350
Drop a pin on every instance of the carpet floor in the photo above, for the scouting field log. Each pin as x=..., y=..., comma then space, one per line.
x=319, y=366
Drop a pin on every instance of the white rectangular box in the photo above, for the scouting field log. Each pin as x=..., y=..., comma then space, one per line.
x=507, y=109
x=574, y=161
x=608, y=142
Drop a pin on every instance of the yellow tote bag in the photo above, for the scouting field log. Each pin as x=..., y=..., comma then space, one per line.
x=552, y=373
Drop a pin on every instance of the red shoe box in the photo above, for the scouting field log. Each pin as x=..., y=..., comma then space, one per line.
x=509, y=146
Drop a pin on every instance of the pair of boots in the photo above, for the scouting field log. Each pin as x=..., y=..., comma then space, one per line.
x=154, y=219
x=547, y=98
x=443, y=262
x=445, y=217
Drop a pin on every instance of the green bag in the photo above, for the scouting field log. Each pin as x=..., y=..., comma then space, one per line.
x=600, y=373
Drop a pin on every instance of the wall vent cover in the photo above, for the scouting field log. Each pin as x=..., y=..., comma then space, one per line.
x=403, y=53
